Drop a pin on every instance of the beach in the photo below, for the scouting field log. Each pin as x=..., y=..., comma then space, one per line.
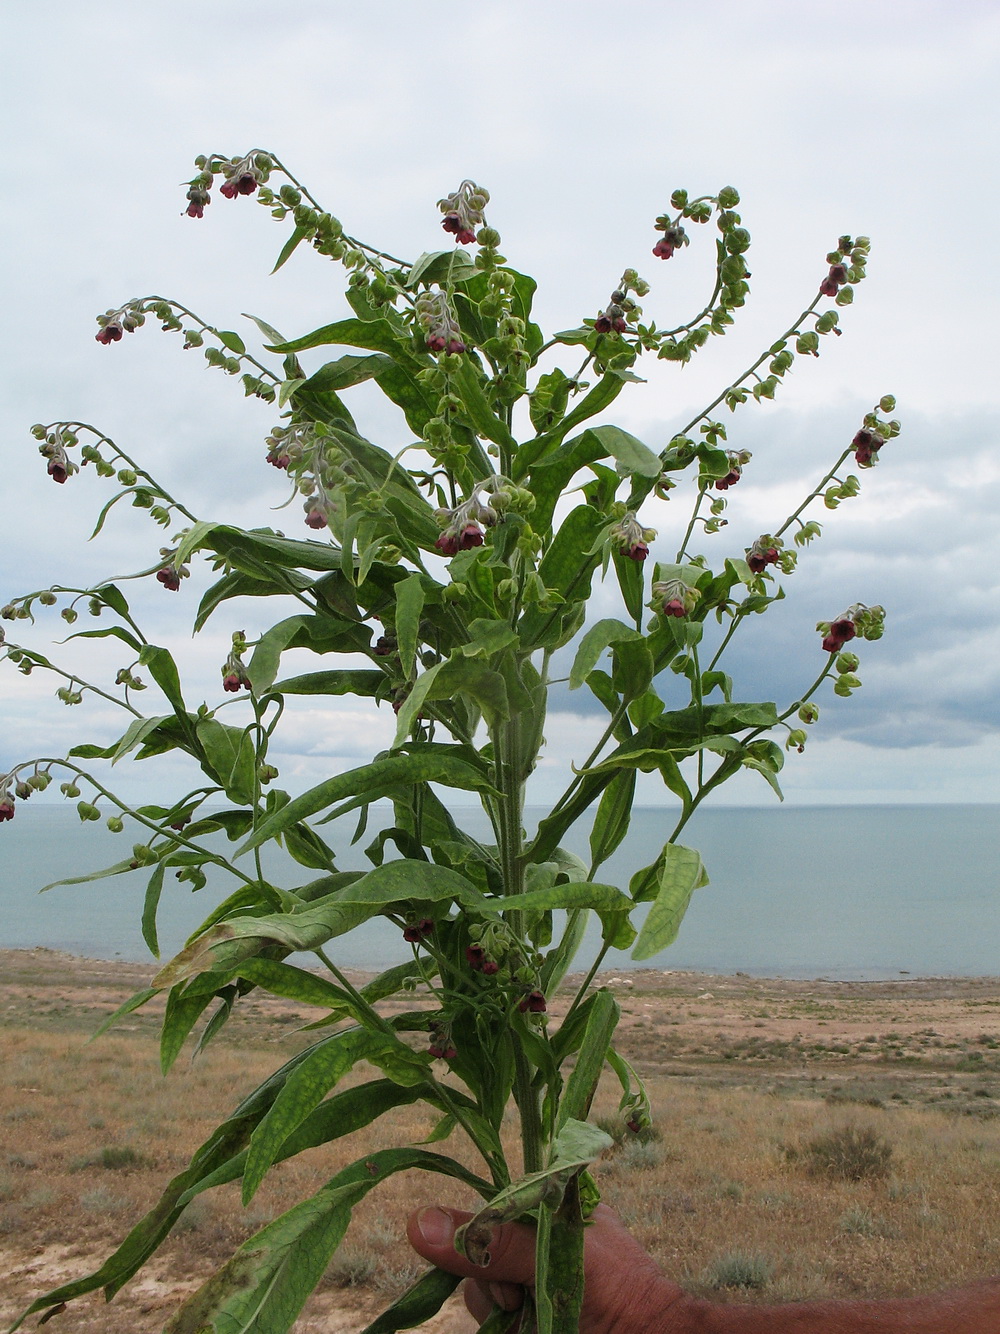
x=744, y=1073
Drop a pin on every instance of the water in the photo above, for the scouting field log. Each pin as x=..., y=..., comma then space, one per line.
x=838, y=892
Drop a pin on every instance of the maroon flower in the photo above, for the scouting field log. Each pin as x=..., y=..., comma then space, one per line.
x=533, y=1003
x=637, y=551
x=490, y=966
x=455, y=346
x=57, y=471
x=675, y=607
x=829, y=287
x=316, y=518
x=451, y=222
x=760, y=560
x=470, y=536
x=169, y=578
x=730, y=479
x=838, y=273
x=603, y=324
x=195, y=210
x=415, y=931
x=179, y=824
x=6, y=809
x=385, y=646
x=447, y=544
x=476, y=957
x=840, y=633
x=197, y=199
x=663, y=249
x=233, y=681
x=442, y=1049
x=111, y=333
x=278, y=460
x=244, y=183
x=866, y=445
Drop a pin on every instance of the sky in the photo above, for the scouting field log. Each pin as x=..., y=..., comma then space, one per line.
x=867, y=118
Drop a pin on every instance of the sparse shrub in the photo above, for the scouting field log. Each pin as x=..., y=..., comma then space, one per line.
x=859, y=1222
x=350, y=1269
x=100, y=1200
x=850, y=1153
x=113, y=1157
x=739, y=1269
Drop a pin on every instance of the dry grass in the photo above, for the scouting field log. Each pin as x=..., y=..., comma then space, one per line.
x=89, y=1133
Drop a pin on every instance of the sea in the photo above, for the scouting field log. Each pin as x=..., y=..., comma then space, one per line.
x=839, y=892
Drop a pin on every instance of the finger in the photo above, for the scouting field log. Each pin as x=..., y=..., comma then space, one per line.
x=477, y=1301
x=481, y=1297
x=431, y=1233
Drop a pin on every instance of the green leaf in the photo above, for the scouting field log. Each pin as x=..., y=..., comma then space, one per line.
x=419, y=1302
x=377, y=779
x=163, y=670
x=149, y=906
x=347, y=371
x=264, y=1286
x=231, y=754
x=285, y=254
x=632, y=670
x=133, y=1003
x=182, y=1013
x=409, y=606
x=266, y=658
x=119, y=868
x=678, y=872
x=631, y=581
x=349, y=681
x=441, y=266
x=614, y=813
x=468, y=383
x=231, y=340
x=284, y=979
x=578, y=1094
x=595, y=641
x=304, y=1090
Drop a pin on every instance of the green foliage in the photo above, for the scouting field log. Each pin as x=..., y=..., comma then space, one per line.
x=449, y=582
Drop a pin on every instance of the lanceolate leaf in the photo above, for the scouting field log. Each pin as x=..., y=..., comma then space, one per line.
x=678, y=873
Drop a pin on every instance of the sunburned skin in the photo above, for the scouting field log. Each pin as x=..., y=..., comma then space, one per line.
x=627, y=1294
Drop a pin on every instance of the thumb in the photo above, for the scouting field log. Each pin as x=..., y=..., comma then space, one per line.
x=431, y=1233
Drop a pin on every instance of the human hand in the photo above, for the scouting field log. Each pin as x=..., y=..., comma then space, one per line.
x=624, y=1289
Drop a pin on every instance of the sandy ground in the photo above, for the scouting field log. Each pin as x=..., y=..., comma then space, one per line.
x=928, y=1037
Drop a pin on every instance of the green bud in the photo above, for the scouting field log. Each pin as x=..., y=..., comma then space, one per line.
x=729, y=197
x=68, y=615
x=845, y=296
x=87, y=811
x=69, y=789
x=809, y=712
x=47, y=599
x=796, y=739
x=115, y=823
x=847, y=662
x=679, y=199
x=831, y=497
x=887, y=403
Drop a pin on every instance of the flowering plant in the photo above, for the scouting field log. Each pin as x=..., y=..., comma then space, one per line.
x=448, y=577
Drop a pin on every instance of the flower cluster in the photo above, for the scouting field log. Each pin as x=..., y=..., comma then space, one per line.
x=441, y=329
x=441, y=1046
x=241, y=176
x=114, y=323
x=416, y=928
x=479, y=961
x=463, y=211
x=738, y=459
x=170, y=573
x=674, y=236
x=234, y=674
x=764, y=552
x=847, y=265
x=6, y=800
x=462, y=525
x=673, y=597
x=632, y=538
x=868, y=622
x=53, y=447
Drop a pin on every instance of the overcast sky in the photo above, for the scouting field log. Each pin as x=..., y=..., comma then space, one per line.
x=877, y=118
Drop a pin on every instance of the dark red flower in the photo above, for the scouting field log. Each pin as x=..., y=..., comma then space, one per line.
x=6, y=809
x=838, y=274
x=490, y=966
x=233, y=681
x=111, y=333
x=416, y=931
x=663, y=249
x=533, y=1003
x=179, y=824
x=169, y=578
x=57, y=471
x=455, y=346
x=839, y=634
x=603, y=324
x=447, y=544
x=278, y=460
x=634, y=1124
x=436, y=342
x=316, y=518
x=620, y=323
x=385, y=646
x=760, y=560
x=829, y=287
x=637, y=551
x=442, y=1050
x=675, y=607
x=470, y=536
x=475, y=956
x=866, y=445
x=465, y=237
x=730, y=479
x=246, y=183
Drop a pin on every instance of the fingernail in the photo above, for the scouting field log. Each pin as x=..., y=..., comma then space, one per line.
x=436, y=1227
x=505, y=1296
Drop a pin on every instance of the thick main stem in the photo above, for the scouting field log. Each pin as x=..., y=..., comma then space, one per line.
x=511, y=804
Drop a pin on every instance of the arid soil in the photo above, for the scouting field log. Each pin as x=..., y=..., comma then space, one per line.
x=742, y=1073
